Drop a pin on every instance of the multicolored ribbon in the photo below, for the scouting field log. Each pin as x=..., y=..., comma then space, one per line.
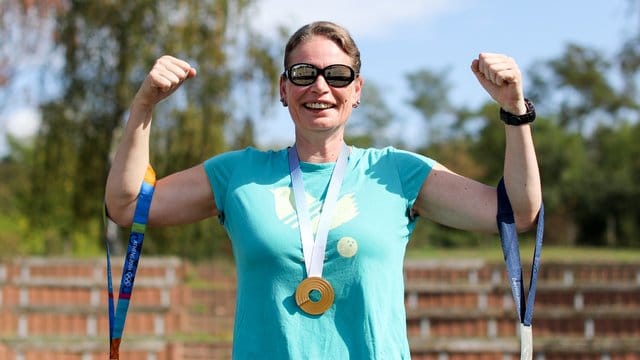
x=118, y=315
x=511, y=251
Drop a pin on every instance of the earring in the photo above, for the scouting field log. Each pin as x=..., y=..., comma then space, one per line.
x=356, y=104
x=284, y=102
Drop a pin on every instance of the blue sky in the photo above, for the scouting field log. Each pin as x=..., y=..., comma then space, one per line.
x=398, y=37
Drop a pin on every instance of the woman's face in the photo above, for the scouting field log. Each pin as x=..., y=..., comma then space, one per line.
x=320, y=107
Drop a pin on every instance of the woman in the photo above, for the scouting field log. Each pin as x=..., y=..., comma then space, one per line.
x=338, y=295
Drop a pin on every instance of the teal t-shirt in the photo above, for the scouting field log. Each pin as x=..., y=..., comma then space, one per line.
x=364, y=254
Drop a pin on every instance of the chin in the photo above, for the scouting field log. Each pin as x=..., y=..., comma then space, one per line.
x=322, y=124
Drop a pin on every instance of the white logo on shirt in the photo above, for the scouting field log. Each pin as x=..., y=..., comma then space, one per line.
x=346, y=208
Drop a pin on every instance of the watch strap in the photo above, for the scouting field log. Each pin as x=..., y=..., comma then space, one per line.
x=516, y=120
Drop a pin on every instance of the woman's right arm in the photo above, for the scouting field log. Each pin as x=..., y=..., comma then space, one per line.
x=180, y=198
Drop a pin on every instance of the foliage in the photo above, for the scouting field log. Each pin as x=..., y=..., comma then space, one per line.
x=10, y=219
x=370, y=121
x=51, y=194
x=586, y=141
x=23, y=26
x=550, y=254
x=108, y=48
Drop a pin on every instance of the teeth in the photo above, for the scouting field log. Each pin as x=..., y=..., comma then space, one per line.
x=318, y=105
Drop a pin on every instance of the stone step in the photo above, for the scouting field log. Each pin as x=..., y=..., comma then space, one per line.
x=216, y=326
x=47, y=323
x=82, y=348
x=451, y=305
x=549, y=286
x=548, y=295
x=44, y=267
x=478, y=271
x=213, y=298
x=492, y=323
x=206, y=351
x=546, y=348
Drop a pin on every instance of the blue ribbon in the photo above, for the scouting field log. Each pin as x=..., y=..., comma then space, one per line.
x=511, y=251
x=118, y=314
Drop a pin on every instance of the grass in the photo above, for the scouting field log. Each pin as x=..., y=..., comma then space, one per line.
x=550, y=253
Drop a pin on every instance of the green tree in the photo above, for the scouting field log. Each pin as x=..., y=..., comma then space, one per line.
x=25, y=50
x=608, y=210
x=590, y=173
x=430, y=98
x=25, y=46
x=578, y=84
x=369, y=123
x=562, y=158
x=108, y=49
x=452, y=144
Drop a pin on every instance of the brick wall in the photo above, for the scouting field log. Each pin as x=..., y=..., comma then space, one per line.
x=57, y=309
x=465, y=310
x=456, y=310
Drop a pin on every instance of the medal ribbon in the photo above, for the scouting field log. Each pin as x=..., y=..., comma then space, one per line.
x=313, y=251
x=118, y=315
x=511, y=251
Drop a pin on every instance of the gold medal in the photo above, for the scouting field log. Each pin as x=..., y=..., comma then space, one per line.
x=312, y=306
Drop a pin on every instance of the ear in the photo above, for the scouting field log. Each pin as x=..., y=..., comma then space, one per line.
x=359, y=83
x=283, y=87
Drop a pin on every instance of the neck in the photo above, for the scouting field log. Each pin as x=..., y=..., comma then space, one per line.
x=319, y=151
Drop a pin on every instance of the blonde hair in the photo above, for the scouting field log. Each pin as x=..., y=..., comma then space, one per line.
x=336, y=33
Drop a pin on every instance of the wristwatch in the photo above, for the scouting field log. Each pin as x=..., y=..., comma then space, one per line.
x=516, y=120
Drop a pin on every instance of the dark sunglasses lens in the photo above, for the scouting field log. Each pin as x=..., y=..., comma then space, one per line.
x=339, y=75
x=303, y=74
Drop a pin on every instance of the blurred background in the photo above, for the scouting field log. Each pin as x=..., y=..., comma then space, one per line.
x=69, y=69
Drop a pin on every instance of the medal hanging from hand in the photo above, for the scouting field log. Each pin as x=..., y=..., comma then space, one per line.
x=315, y=295
x=511, y=251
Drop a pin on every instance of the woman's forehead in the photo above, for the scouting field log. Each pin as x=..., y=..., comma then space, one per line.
x=319, y=51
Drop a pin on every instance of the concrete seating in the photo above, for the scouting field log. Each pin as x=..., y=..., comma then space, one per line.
x=57, y=307
x=583, y=311
x=54, y=309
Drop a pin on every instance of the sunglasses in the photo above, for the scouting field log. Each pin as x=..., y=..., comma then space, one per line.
x=336, y=75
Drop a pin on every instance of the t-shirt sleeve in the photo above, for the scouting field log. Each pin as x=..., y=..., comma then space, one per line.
x=219, y=169
x=413, y=170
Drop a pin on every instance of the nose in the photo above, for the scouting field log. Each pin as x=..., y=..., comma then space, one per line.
x=320, y=85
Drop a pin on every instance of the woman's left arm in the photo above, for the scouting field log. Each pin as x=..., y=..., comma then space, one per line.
x=456, y=201
x=521, y=175
x=500, y=76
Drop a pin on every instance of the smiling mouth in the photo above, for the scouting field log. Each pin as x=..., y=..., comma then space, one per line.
x=318, y=106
